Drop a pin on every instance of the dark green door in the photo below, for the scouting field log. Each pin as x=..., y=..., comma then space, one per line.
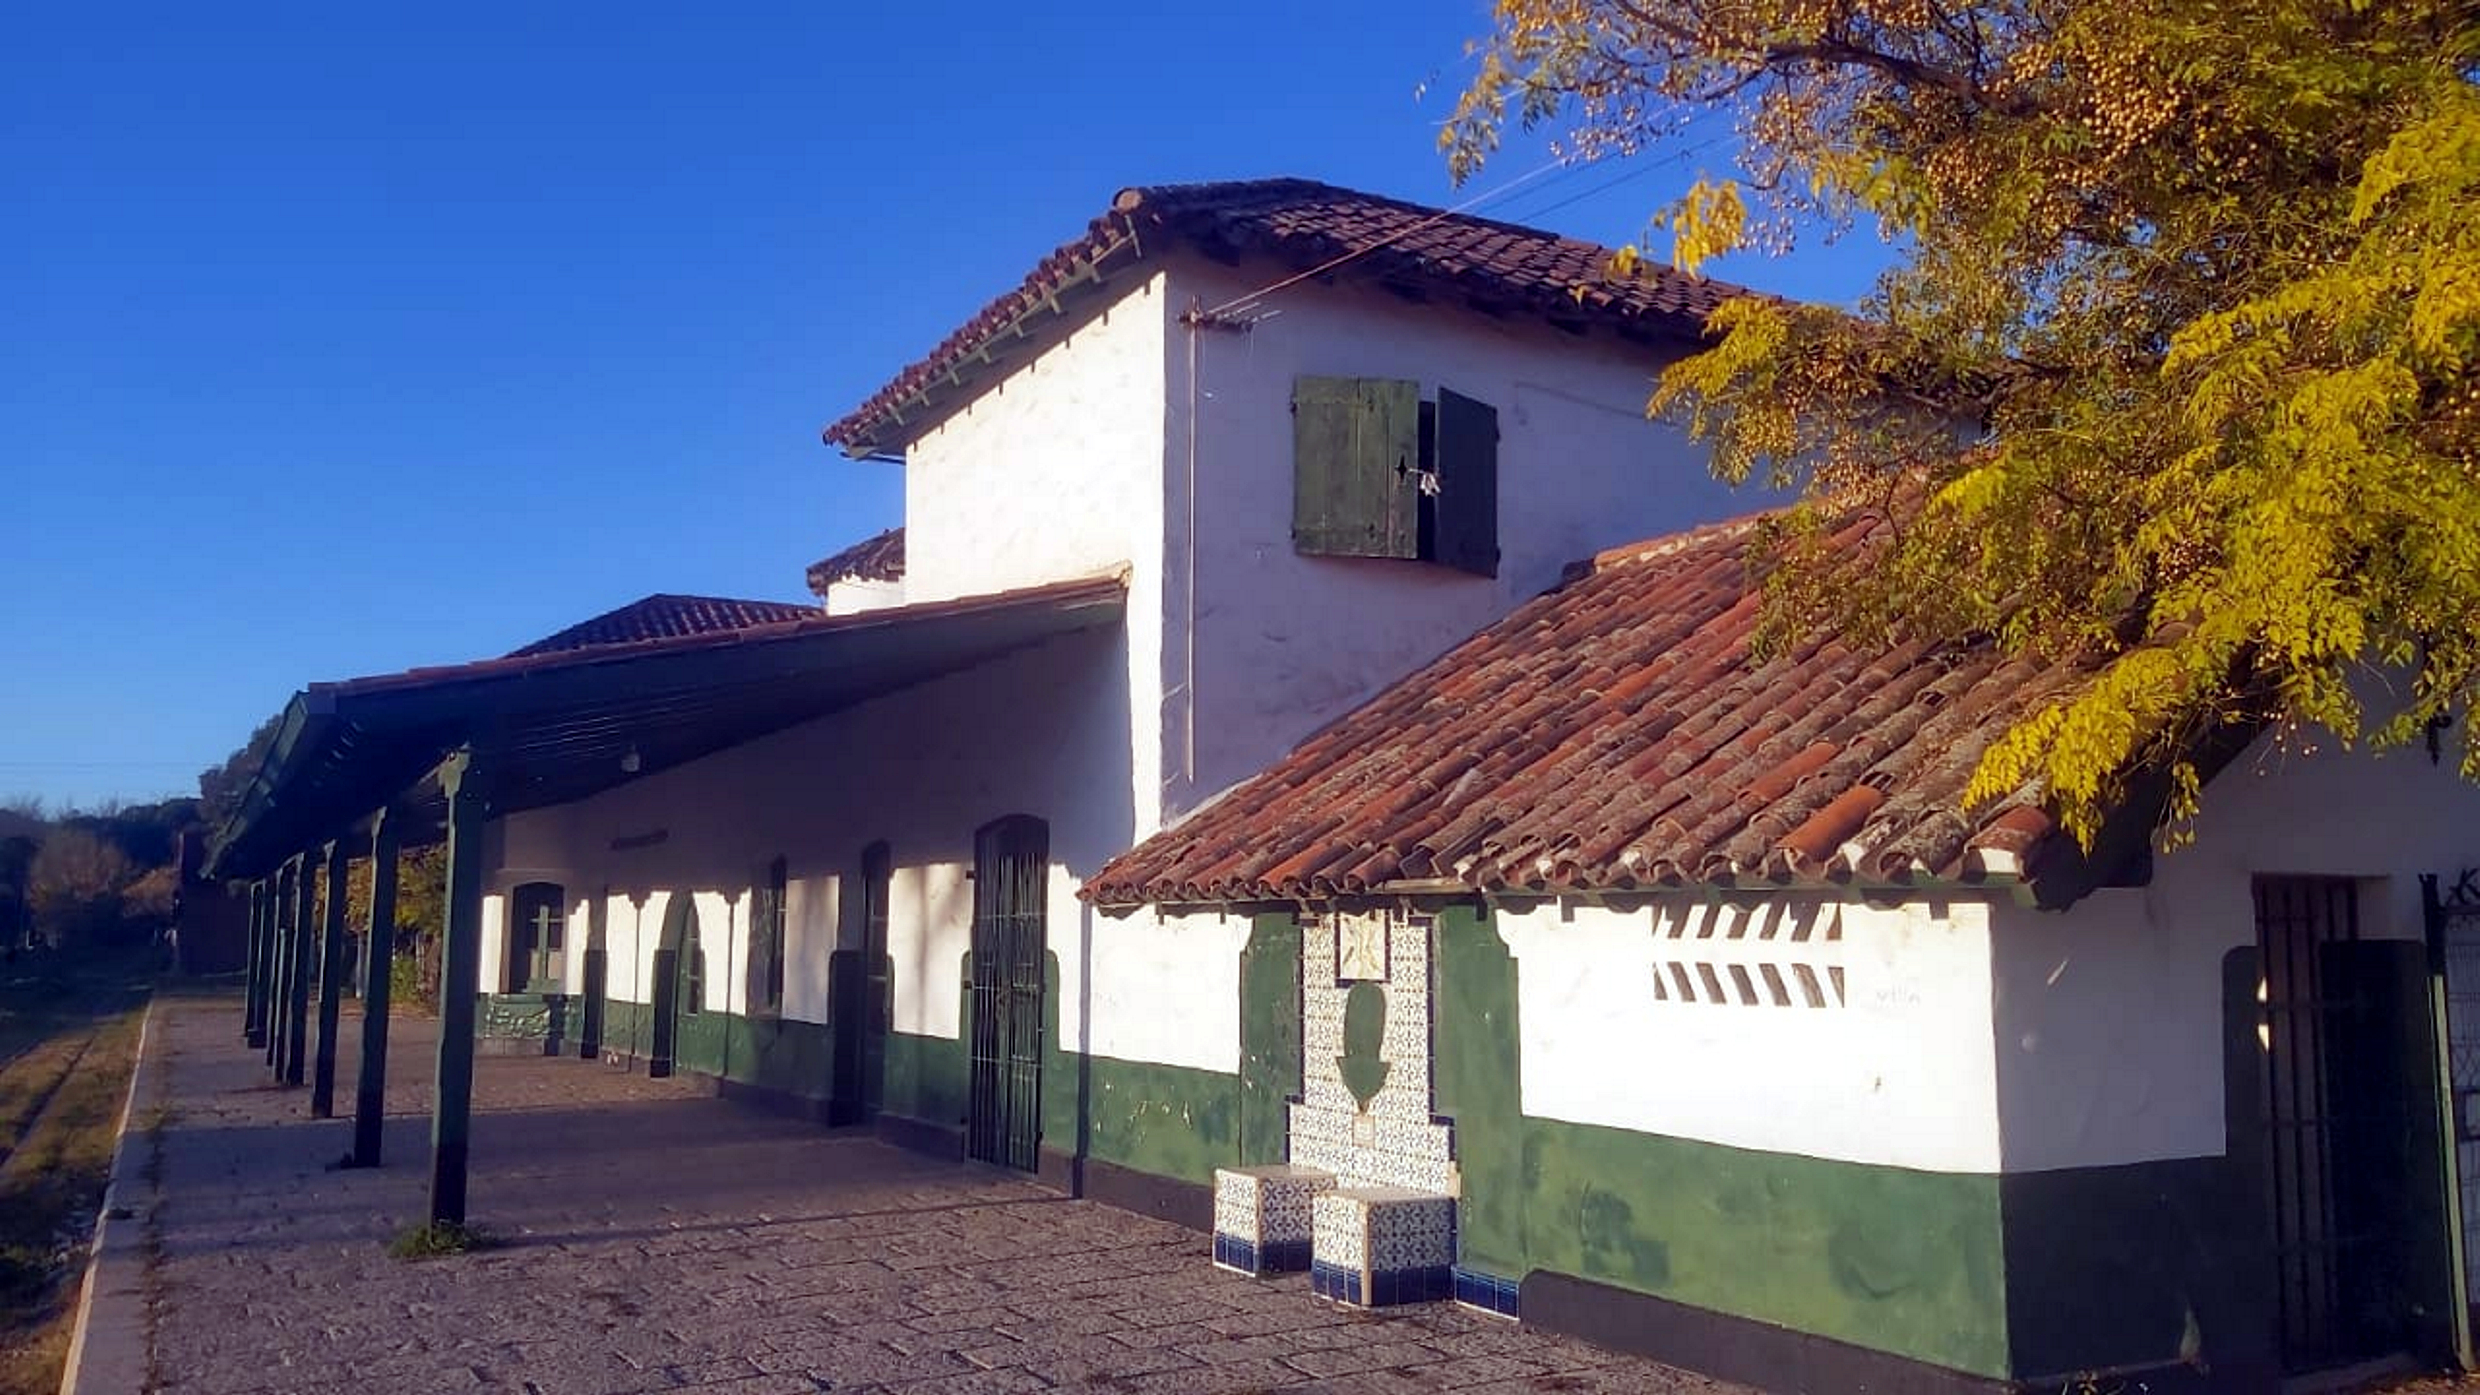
x=1011, y=866
x=862, y=984
x=679, y=984
x=665, y=1009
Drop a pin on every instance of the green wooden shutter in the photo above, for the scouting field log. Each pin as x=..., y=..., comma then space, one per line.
x=1355, y=456
x=1467, y=505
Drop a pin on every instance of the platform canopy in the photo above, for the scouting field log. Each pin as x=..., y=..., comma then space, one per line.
x=557, y=727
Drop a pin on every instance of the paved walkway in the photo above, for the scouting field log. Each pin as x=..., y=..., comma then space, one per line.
x=656, y=1239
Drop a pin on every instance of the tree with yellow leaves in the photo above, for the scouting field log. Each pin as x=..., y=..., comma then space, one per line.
x=2177, y=368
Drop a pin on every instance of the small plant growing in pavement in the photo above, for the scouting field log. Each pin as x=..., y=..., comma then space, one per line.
x=432, y=1239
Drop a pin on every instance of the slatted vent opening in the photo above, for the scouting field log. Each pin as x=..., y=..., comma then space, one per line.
x=1741, y=956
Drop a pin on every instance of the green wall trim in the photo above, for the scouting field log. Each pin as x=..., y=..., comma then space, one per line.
x=1270, y=1038
x=1475, y=1082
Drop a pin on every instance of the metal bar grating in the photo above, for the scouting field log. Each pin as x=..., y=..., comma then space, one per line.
x=1011, y=863
x=2305, y=1016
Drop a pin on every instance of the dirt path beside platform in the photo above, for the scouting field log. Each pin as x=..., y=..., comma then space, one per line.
x=68, y=1040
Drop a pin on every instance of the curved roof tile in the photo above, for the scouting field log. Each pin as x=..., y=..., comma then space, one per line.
x=1619, y=733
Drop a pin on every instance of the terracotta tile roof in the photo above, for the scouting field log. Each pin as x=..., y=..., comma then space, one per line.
x=1617, y=734
x=666, y=617
x=878, y=558
x=1499, y=268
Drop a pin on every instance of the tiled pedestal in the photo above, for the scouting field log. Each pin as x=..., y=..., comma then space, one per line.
x=1378, y=1246
x=1261, y=1216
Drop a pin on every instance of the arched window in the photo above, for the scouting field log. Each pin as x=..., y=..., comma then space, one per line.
x=537, y=938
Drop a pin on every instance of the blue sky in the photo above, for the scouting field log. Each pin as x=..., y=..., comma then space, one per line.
x=339, y=339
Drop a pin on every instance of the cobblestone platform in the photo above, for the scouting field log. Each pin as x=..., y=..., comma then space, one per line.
x=654, y=1238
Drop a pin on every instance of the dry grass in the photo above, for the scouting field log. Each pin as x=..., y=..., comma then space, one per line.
x=68, y=1041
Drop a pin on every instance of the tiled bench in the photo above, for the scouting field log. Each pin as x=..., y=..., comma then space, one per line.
x=1261, y=1216
x=1379, y=1246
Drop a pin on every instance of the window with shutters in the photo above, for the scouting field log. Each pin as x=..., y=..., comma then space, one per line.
x=1378, y=472
x=766, y=942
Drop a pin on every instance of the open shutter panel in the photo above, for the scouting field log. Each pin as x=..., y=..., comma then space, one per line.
x=1467, y=506
x=1355, y=458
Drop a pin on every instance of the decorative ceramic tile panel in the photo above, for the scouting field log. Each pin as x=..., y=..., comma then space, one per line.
x=1487, y=1292
x=1395, y=1141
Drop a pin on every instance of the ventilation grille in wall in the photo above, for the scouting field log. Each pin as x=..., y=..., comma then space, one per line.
x=1750, y=956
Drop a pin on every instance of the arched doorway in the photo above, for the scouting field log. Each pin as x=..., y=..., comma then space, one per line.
x=679, y=980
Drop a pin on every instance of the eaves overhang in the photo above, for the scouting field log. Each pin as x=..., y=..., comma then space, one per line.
x=558, y=727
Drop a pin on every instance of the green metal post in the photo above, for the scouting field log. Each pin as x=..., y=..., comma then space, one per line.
x=331, y=988
x=279, y=962
x=378, y=956
x=460, y=982
x=254, y=987
x=305, y=945
x=2458, y=1302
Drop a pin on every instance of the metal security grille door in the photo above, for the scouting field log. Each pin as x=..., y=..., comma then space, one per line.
x=1011, y=864
x=2306, y=928
x=2454, y=919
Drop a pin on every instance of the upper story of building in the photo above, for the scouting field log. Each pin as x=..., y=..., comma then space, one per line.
x=1324, y=435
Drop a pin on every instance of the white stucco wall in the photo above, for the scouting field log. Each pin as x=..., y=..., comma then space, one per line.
x=2109, y=1014
x=1055, y=472
x=1899, y=1072
x=1279, y=643
x=1166, y=988
x=1042, y=732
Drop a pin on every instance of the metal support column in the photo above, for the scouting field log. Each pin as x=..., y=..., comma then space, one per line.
x=279, y=961
x=254, y=991
x=305, y=946
x=331, y=987
x=378, y=956
x=460, y=982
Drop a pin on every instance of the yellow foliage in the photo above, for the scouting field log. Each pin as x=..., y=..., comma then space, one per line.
x=2176, y=374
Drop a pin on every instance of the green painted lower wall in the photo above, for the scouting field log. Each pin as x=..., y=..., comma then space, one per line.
x=1900, y=1261
x=926, y=1079
x=1171, y=1121
x=784, y=1055
x=1906, y=1262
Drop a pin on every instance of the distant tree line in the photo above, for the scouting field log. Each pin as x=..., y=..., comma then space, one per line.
x=99, y=879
